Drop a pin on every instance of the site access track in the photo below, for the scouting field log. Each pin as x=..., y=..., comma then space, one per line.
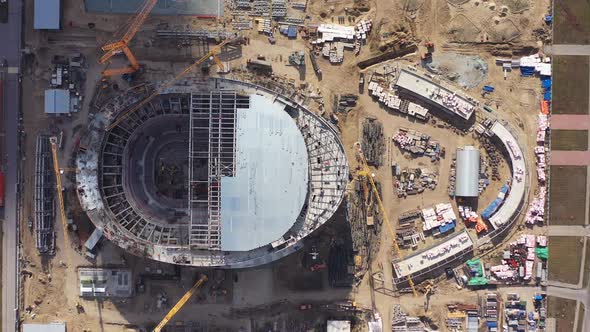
x=10, y=39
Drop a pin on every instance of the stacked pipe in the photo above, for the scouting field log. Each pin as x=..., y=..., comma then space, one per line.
x=373, y=144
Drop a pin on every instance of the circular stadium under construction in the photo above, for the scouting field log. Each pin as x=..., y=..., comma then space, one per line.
x=217, y=173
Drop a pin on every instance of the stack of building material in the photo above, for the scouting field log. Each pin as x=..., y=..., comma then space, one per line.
x=430, y=219
x=454, y=103
x=417, y=143
x=334, y=32
x=264, y=26
x=372, y=143
x=536, y=211
x=442, y=217
x=504, y=272
x=279, y=8
x=417, y=111
x=363, y=28
x=534, y=63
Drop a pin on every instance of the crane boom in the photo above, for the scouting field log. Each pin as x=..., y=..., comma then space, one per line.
x=212, y=53
x=180, y=303
x=123, y=44
x=367, y=172
x=62, y=211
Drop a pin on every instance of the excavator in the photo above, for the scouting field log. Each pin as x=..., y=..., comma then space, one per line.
x=180, y=303
x=366, y=172
x=122, y=45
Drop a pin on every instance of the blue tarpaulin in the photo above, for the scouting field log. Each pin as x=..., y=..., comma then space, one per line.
x=292, y=31
x=488, y=88
x=547, y=95
x=447, y=227
x=548, y=19
x=492, y=324
x=527, y=71
x=546, y=83
x=493, y=207
x=505, y=189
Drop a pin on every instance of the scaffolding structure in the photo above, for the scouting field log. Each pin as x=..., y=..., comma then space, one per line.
x=44, y=197
x=130, y=218
x=212, y=145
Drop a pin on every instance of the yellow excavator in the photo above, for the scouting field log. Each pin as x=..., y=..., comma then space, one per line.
x=180, y=303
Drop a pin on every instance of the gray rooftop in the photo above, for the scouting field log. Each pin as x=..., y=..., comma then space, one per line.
x=50, y=327
x=163, y=7
x=260, y=203
x=467, y=183
x=97, y=282
x=47, y=15
x=57, y=101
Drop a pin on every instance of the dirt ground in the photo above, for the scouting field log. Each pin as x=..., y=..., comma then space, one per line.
x=572, y=22
x=564, y=311
x=571, y=95
x=569, y=140
x=515, y=99
x=568, y=209
x=565, y=270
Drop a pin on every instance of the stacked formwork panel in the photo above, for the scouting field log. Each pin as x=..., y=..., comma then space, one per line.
x=44, y=197
x=212, y=144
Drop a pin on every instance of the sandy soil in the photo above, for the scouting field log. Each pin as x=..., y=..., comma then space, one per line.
x=516, y=99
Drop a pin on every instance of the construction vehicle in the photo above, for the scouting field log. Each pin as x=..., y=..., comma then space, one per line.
x=427, y=55
x=59, y=188
x=366, y=171
x=180, y=303
x=212, y=54
x=428, y=290
x=122, y=45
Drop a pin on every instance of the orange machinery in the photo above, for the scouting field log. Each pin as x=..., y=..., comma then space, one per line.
x=122, y=45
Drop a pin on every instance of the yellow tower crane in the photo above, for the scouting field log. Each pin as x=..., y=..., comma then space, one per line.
x=59, y=188
x=366, y=171
x=180, y=303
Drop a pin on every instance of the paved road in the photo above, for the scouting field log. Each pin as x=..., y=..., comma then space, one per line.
x=10, y=39
x=558, y=230
x=567, y=49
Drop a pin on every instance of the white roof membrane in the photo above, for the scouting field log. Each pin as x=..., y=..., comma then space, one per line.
x=262, y=201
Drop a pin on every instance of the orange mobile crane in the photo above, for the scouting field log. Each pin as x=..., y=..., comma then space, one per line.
x=212, y=54
x=366, y=171
x=122, y=45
